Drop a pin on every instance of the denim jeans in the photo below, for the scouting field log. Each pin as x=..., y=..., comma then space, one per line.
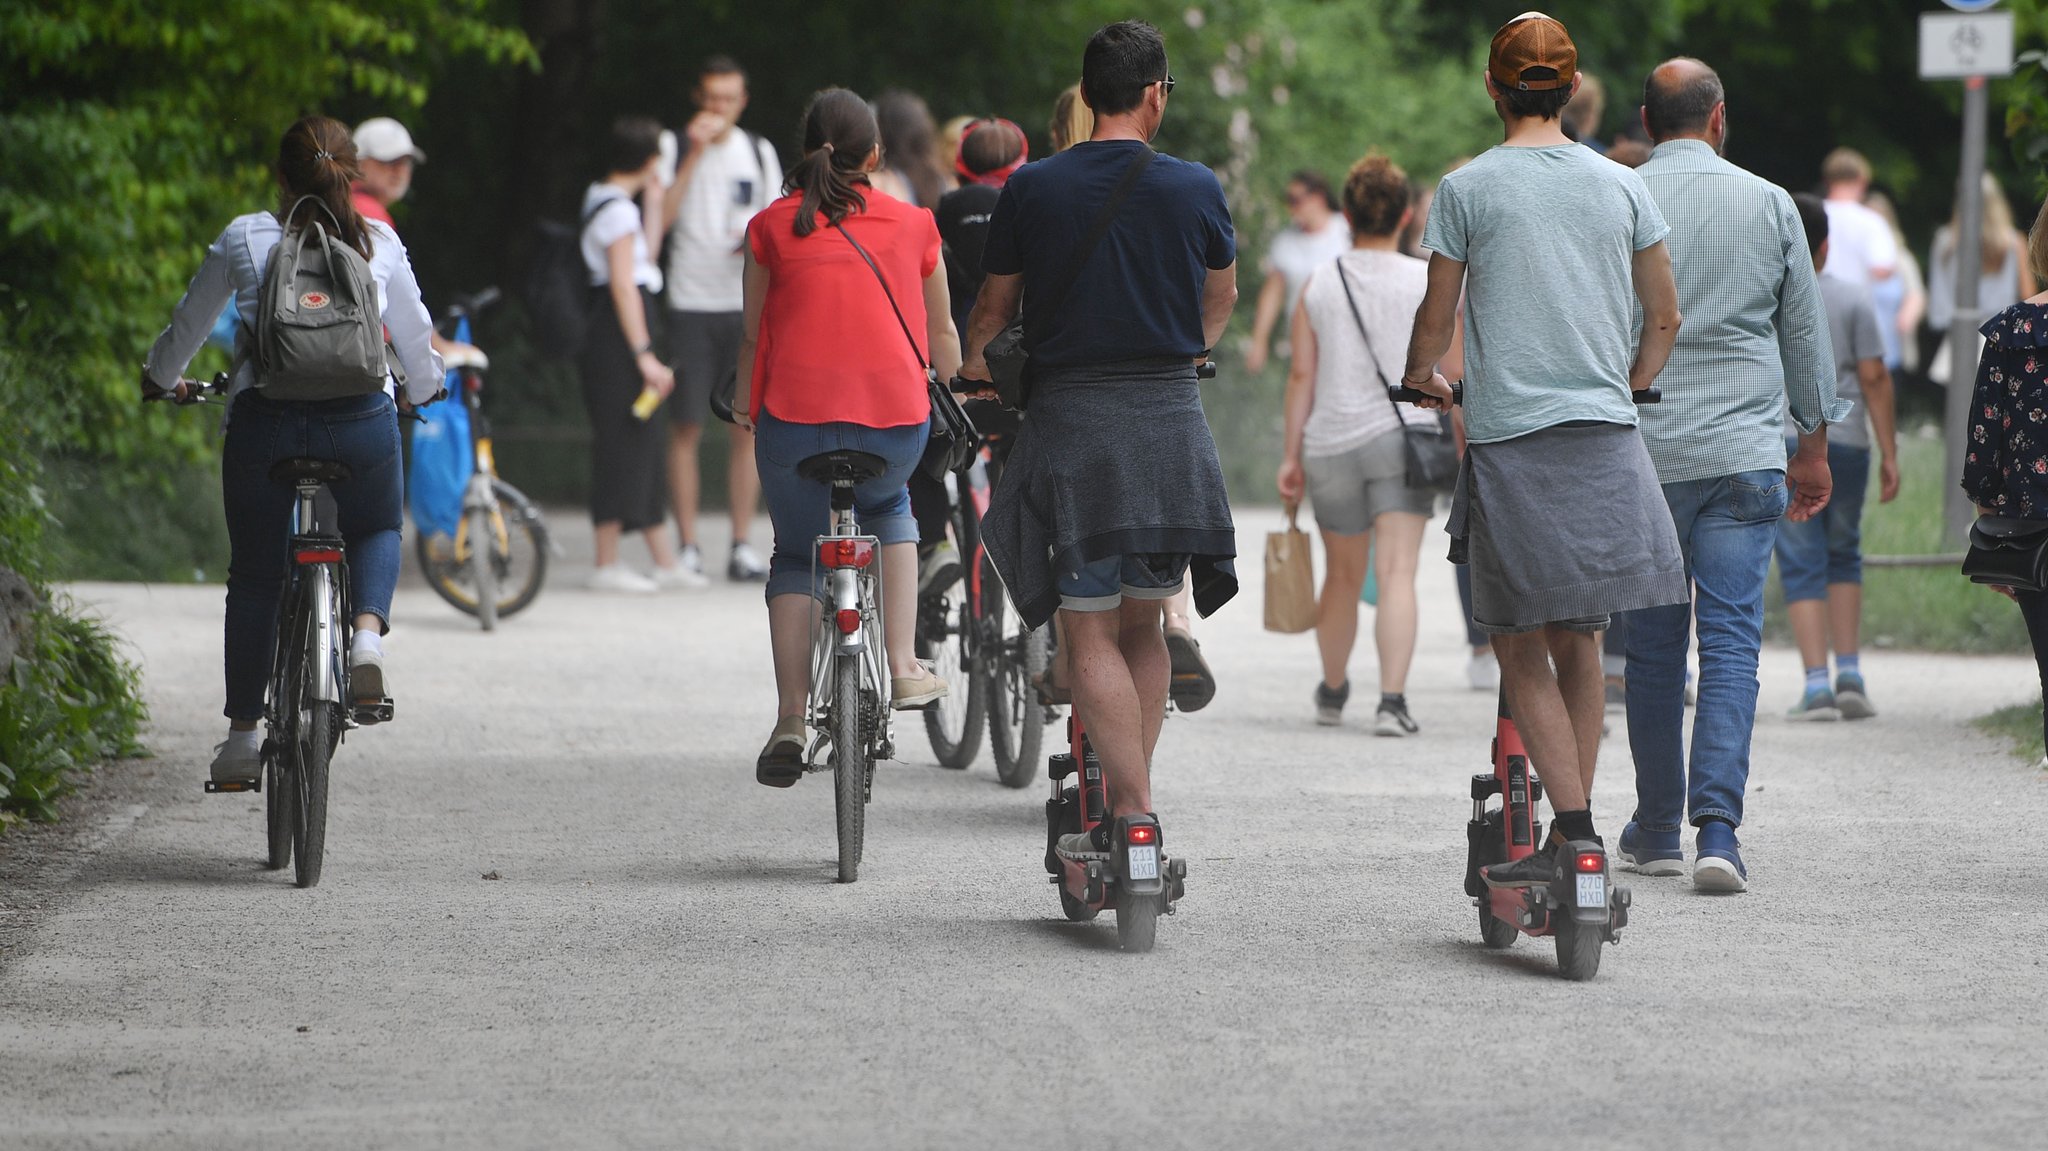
x=1726, y=528
x=362, y=432
x=801, y=509
x=1827, y=549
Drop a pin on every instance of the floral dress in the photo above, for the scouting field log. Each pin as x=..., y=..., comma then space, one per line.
x=2006, y=468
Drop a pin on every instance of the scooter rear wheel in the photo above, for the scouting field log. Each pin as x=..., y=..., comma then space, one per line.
x=1137, y=924
x=1578, y=946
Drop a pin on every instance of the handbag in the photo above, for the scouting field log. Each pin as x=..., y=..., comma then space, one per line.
x=953, y=438
x=1290, y=580
x=1005, y=354
x=1431, y=452
x=2009, y=552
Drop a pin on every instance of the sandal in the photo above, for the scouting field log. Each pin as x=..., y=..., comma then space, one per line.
x=781, y=763
x=1193, y=684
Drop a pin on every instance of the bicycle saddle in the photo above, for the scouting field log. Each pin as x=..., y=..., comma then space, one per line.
x=289, y=472
x=842, y=467
x=471, y=358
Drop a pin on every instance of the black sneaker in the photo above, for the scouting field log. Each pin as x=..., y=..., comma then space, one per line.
x=1393, y=720
x=1330, y=704
x=1537, y=869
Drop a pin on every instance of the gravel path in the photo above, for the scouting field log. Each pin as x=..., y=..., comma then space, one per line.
x=558, y=912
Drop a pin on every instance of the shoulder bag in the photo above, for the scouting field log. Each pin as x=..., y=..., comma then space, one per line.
x=953, y=438
x=1431, y=451
x=1005, y=354
x=2009, y=552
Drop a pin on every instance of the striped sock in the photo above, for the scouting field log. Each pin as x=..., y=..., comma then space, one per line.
x=1816, y=679
x=1849, y=665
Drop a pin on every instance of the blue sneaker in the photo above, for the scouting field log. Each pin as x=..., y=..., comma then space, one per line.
x=1852, y=698
x=1817, y=705
x=1717, y=865
x=1651, y=852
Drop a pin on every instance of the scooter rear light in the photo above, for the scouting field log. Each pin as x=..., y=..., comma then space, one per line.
x=318, y=555
x=1592, y=861
x=844, y=553
x=848, y=620
x=1143, y=833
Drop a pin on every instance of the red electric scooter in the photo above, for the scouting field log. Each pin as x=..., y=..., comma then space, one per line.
x=1140, y=880
x=1582, y=908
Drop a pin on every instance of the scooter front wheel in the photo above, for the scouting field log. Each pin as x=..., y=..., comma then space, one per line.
x=1495, y=932
x=1077, y=911
x=1578, y=946
x=1137, y=923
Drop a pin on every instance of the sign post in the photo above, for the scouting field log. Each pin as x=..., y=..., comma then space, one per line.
x=1969, y=46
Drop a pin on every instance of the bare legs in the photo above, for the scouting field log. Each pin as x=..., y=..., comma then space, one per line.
x=742, y=481
x=609, y=533
x=1558, y=715
x=1834, y=623
x=1394, y=562
x=1121, y=673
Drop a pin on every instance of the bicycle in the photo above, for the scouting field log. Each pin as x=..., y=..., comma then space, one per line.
x=979, y=645
x=497, y=558
x=849, y=699
x=308, y=708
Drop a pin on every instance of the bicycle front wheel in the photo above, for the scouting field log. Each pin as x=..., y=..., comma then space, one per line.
x=948, y=636
x=309, y=793
x=483, y=576
x=277, y=803
x=1015, y=659
x=515, y=535
x=849, y=764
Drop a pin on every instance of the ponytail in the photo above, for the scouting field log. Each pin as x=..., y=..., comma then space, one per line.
x=317, y=158
x=839, y=134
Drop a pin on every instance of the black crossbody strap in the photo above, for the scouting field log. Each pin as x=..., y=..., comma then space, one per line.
x=1058, y=289
x=1337, y=265
x=869, y=261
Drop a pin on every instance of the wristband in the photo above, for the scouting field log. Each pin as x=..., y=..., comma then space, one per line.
x=644, y=349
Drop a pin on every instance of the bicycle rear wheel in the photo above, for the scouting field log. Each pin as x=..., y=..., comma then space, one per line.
x=517, y=535
x=1014, y=659
x=849, y=764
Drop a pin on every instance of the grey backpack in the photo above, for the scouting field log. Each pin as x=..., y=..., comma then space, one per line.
x=319, y=329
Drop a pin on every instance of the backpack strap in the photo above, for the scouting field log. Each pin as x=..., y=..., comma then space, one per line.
x=1057, y=290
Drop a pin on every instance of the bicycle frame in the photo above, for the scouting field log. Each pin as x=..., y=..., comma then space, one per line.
x=848, y=622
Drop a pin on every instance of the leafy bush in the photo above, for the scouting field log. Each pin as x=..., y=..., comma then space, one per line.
x=66, y=704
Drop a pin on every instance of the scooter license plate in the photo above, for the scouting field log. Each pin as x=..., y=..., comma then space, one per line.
x=1144, y=862
x=1592, y=891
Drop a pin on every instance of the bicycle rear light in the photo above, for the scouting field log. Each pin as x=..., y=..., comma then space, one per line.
x=1591, y=861
x=846, y=553
x=848, y=620
x=318, y=555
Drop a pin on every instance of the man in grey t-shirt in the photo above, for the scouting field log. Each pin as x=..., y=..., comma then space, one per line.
x=1558, y=504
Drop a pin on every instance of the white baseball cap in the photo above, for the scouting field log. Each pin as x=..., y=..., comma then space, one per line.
x=386, y=140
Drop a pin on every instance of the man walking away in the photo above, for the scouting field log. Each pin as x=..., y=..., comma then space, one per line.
x=1863, y=251
x=1755, y=341
x=728, y=175
x=1820, y=558
x=1114, y=496
x=1557, y=505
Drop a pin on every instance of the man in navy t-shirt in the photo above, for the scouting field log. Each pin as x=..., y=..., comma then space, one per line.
x=1113, y=498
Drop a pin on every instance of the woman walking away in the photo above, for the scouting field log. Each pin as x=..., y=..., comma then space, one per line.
x=911, y=170
x=2006, y=469
x=1345, y=439
x=2004, y=279
x=826, y=366
x=618, y=364
x=316, y=162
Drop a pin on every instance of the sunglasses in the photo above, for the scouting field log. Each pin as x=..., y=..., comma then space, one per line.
x=1168, y=82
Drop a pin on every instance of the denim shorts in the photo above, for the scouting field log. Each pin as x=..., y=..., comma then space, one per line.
x=1827, y=549
x=1102, y=584
x=801, y=509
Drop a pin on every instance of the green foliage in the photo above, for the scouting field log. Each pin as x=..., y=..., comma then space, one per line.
x=66, y=704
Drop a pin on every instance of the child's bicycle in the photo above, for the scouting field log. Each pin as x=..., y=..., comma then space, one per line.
x=496, y=559
x=308, y=707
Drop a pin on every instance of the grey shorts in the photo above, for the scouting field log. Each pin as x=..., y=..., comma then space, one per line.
x=704, y=350
x=1352, y=488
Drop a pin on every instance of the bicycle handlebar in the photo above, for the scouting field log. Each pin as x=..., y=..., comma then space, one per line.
x=188, y=392
x=1206, y=370
x=1406, y=395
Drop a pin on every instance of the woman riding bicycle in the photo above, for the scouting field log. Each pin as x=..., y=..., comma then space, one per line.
x=317, y=160
x=825, y=366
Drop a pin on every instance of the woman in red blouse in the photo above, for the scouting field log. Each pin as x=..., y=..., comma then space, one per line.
x=827, y=366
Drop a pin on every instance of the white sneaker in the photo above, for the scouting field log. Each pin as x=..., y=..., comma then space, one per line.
x=671, y=578
x=691, y=557
x=237, y=762
x=1483, y=672
x=620, y=578
x=746, y=564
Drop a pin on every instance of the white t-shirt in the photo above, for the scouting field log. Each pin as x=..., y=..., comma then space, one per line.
x=1295, y=253
x=737, y=178
x=618, y=218
x=1351, y=404
x=1859, y=242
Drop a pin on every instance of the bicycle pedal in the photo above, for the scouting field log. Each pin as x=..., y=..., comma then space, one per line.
x=366, y=711
x=232, y=786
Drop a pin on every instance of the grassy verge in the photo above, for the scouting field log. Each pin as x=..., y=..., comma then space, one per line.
x=70, y=703
x=1932, y=609
x=2020, y=723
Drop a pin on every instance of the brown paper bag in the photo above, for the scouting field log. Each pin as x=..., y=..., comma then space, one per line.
x=1290, y=580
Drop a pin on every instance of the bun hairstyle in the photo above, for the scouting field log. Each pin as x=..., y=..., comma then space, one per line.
x=317, y=158
x=1376, y=193
x=839, y=134
x=991, y=151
